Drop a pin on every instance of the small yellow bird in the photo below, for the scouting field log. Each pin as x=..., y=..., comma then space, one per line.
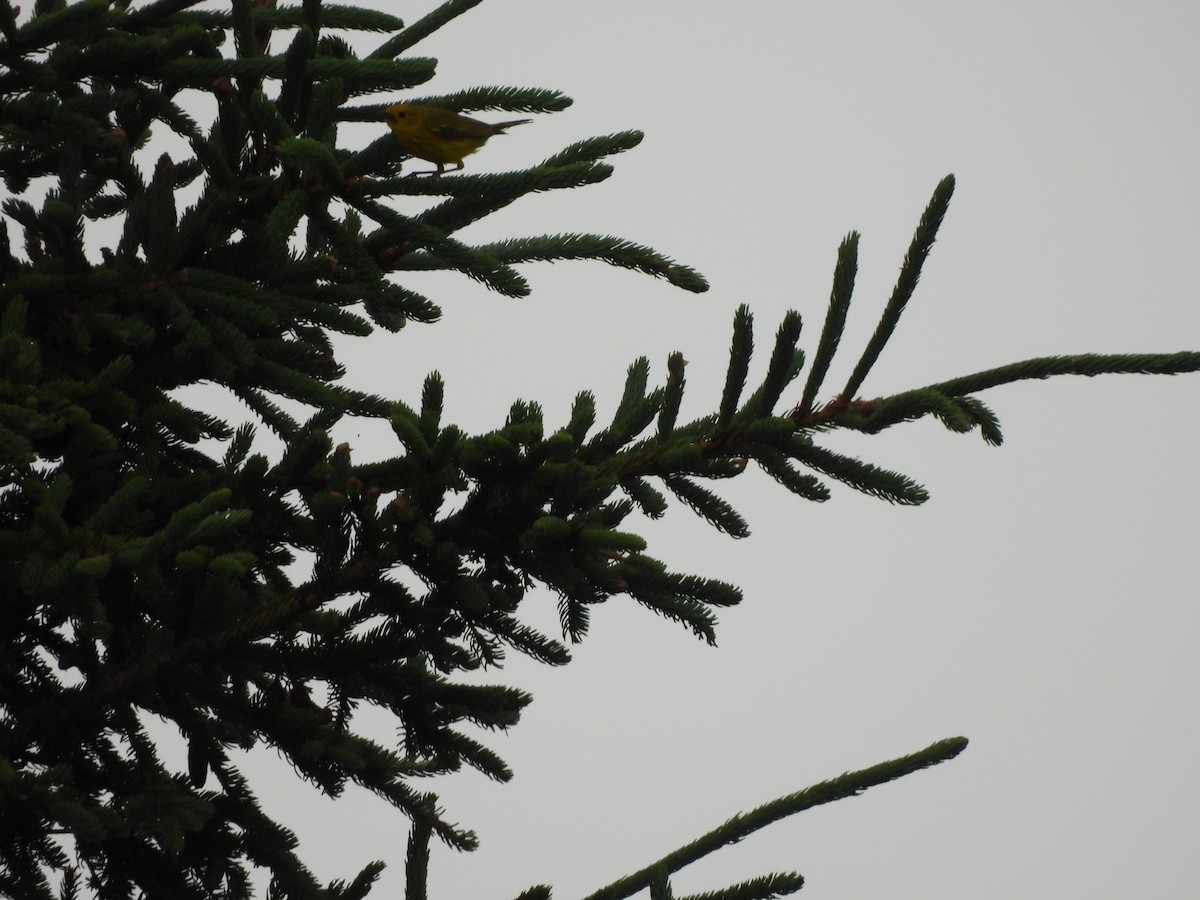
x=440, y=136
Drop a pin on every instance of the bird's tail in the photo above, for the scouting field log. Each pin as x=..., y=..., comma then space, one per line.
x=499, y=127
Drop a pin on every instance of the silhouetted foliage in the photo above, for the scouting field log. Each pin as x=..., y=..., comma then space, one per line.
x=251, y=601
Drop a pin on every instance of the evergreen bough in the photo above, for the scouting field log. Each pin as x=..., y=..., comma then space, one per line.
x=143, y=577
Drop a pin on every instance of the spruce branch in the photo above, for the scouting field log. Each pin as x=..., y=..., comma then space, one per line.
x=741, y=826
x=707, y=504
x=474, y=196
x=785, y=364
x=835, y=320
x=612, y=250
x=906, y=283
x=1089, y=364
x=423, y=27
x=672, y=395
x=450, y=253
x=592, y=149
x=49, y=21
x=336, y=16
x=416, y=870
x=776, y=464
x=740, y=351
x=881, y=483
x=499, y=98
x=949, y=400
x=765, y=887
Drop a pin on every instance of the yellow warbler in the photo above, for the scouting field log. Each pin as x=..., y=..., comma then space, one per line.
x=440, y=136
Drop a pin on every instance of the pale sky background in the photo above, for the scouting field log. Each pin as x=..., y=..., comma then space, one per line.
x=1042, y=603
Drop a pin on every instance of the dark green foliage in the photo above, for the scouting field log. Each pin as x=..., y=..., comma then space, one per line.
x=835, y=318
x=910, y=273
x=155, y=563
x=851, y=784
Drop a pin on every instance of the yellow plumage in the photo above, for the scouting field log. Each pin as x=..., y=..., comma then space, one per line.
x=440, y=136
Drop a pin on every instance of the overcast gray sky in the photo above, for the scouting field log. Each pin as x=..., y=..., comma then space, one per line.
x=1042, y=603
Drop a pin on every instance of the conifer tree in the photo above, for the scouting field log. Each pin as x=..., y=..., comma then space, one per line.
x=254, y=601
